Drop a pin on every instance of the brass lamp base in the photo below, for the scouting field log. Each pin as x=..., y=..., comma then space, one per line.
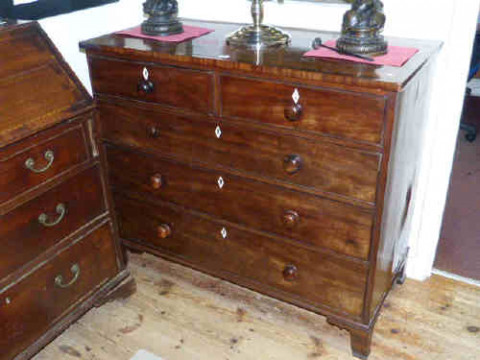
x=255, y=36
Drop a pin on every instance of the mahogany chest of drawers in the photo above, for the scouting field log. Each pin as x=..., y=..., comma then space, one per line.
x=288, y=175
x=59, y=255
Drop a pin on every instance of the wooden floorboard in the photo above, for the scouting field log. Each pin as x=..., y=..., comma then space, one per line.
x=181, y=314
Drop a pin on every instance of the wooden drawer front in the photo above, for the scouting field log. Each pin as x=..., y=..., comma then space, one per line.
x=183, y=88
x=337, y=113
x=31, y=306
x=327, y=167
x=318, y=279
x=307, y=218
x=41, y=158
x=23, y=236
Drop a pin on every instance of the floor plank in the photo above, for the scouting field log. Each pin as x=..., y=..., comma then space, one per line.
x=180, y=314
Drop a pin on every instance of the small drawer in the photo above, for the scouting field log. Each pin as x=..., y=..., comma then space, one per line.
x=314, y=164
x=33, y=227
x=37, y=301
x=270, y=263
x=171, y=86
x=306, y=218
x=332, y=112
x=41, y=158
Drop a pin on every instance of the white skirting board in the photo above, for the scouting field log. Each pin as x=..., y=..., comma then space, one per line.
x=456, y=277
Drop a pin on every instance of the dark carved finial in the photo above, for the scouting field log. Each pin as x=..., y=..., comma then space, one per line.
x=162, y=18
x=362, y=27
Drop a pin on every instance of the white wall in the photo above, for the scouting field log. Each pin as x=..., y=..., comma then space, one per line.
x=451, y=21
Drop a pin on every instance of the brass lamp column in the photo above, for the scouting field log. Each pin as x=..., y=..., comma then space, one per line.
x=257, y=34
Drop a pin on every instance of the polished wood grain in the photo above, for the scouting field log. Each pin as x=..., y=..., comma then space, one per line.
x=34, y=48
x=82, y=199
x=261, y=152
x=210, y=51
x=182, y=314
x=47, y=96
x=338, y=285
x=167, y=85
x=34, y=303
x=37, y=88
x=332, y=225
x=55, y=262
x=322, y=110
x=303, y=150
x=67, y=142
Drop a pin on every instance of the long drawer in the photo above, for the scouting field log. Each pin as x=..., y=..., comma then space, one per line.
x=310, y=275
x=318, y=165
x=37, y=301
x=311, y=219
x=35, y=226
x=171, y=86
x=333, y=112
x=41, y=158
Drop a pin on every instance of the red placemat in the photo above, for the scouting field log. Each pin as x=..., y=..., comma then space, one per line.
x=396, y=55
x=189, y=32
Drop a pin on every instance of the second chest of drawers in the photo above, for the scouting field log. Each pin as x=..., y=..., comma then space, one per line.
x=270, y=176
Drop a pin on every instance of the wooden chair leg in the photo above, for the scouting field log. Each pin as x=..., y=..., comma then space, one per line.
x=360, y=341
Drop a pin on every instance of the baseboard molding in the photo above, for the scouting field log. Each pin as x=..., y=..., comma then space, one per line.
x=456, y=277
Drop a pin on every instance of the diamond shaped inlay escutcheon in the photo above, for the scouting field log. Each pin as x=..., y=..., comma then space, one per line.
x=218, y=132
x=145, y=73
x=224, y=233
x=220, y=182
x=295, y=96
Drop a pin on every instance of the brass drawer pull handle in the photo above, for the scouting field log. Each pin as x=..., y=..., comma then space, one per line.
x=75, y=269
x=49, y=156
x=292, y=164
x=164, y=231
x=61, y=210
x=290, y=272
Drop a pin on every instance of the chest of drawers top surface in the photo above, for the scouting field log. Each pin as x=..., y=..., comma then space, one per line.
x=37, y=89
x=210, y=51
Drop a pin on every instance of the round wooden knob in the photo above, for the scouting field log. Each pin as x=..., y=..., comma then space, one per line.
x=146, y=86
x=290, y=218
x=292, y=164
x=294, y=112
x=156, y=181
x=164, y=231
x=290, y=272
x=153, y=132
